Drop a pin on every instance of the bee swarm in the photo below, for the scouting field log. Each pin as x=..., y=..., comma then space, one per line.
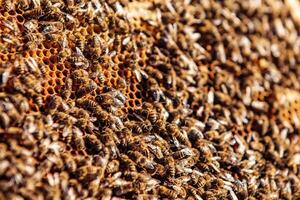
x=185, y=99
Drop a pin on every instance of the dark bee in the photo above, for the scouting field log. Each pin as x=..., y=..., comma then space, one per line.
x=93, y=144
x=128, y=162
x=34, y=13
x=86, y=89
x=53, y=103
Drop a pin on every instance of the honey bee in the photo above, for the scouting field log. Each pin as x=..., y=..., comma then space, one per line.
x=8, y=5
x=182, y=153
x=140, y=146
x=53, y=103
x=130, y=165
x=20, y=102
x=38, y=99
x=141, y=160
x=154, y=73
x=30, y=81
x=33, y=13
x=67, y=89
x=10, y=39
x=4, y=120
x=78, y=139
x=170, y=166
x=32, y=66
x=80, y=44
x=84, y=90
x=34, y=38
x=87, y=104
x=31, y=25
x=63, y=117
x=79, y=76
x=4, y=76
x=164, y=191
x=101, y=77
x=175, y=132
x=112, y=167
x=11, y=25
x=93, y=144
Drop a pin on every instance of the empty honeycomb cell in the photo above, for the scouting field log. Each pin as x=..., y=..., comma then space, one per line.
x=50, y=82
x=46, y=61
x=32, y=53
x=59, y=74
x=97, y=29
x=57, y=88
x=53, y=51
x=25, y=54
x=46, y=53
x=60, y=67
x=132, y=87
x=53, y=59
x=65, y=72
x=138, y=102
x=52, y=67
x=20, y=19
x=138, y=95
x=131, y=95
x=131, y=103
x=12, y=12
x=50, y=90
x=47, y=45
x=52, y=74
x=107, y=74
x=90, y=30
x=58, y=81
x=39, y=53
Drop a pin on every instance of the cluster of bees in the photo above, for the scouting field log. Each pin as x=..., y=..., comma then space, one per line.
x=188, y=99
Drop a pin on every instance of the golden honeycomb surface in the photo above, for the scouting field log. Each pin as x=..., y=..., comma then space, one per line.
x=137, y=99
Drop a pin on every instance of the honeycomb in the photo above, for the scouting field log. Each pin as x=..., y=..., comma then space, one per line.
x=149, y=99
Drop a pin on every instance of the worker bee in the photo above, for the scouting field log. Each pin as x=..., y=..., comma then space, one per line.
x=4, y=120
x=30, y=81
x=78, y=140
x=34, y=38
x=164, y=191
x=101, y=77
x=87, y=104
x=182, y=153
x=130, y=165
x=141, y=160
x=93, y=145
x=67, y=88
x=32, y=66
x=10, y=39
x=86, y=89
x=30, y=25
x=20, y=102
x=175, y=132
x=33, y=13
x=79, y=76
x=53, y=103
x=112, y=167
x=64, y=118
x=170, y=166
x=11, y=25
x=8, y=5
x=38, y=99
